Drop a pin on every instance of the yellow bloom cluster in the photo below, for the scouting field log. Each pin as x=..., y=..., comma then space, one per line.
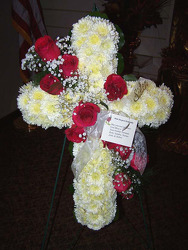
x=95, y=43
x=95, y=196
x=40, y=108
x=145, y=102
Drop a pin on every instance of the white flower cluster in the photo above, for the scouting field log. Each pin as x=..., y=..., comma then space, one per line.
x=40, y=108
x=95, y=41
x=145, y=102
x=95, y=196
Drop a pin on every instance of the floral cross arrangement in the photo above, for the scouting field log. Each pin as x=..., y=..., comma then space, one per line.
x=77, y=87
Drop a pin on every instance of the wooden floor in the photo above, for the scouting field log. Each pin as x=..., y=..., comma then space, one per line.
x=29, y=163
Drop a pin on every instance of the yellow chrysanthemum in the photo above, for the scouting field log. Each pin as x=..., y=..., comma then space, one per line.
x=81, y=65
x=151, y=103
x=160, y=115
x=95, y=189
x=35, y=108
x=50, y=108
x=136, y=107
x=37, y=94
x=88, y=51
x=117, y=105
x=78, y=43
x=94, y=68
x=98, y=190
x=102, y=29
x=23, y=101
x=164, y=99
x=107, y=45
x=100, y=58
x=149, y=118
x=83, y=27
x=94, y=39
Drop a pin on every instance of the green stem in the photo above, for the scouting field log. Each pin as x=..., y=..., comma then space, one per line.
x=145, y=223
x=54, y=190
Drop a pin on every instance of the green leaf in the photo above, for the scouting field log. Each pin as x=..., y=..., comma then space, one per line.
x=121, y=37
x=121, y=64
x=37, y=77
x=130, y=77
x=70, y=148
x=71, y=189
x=98, y=14
x=70, y=33
x=104, y=104
x=95, y=7
x=116, y=215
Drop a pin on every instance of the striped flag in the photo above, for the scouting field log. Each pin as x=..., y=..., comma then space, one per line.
x=28, y=20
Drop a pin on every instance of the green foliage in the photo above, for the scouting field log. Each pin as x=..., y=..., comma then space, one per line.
x=121, y=64
x=95, y=8
x=71, y=189
x=70, y=148
x=121, y=37
x=37, y=77
x=98, y=14
x=130, y=77
x=116, y=215
x=104, y=104
x=148, y=130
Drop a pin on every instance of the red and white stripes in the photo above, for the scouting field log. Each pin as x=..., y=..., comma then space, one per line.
x=28, y=20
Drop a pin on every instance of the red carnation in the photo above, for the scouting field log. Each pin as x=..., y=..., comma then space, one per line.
x=69, y=66
x=115, y=87
x=85, y=114
x=51, y=84
x=75, y=134
x=46, y=48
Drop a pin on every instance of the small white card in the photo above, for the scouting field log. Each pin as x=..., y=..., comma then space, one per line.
x=119, y=129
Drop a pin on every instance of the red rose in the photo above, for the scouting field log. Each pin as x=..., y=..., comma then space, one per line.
x=121, y=182
x=122, y=150
x=85, y=114
x=110, y=145
x=69, y=66
x=46, y=48
x=115, y=87
x=75, y=134
x=51, y=84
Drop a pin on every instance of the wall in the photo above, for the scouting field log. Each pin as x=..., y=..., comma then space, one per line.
x=60, y=15
x=148, y=54
x=9, y=65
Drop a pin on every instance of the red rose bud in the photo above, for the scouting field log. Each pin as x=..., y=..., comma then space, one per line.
x=85, y=114
x=115, y=87
x=47, y=49
x=69, y=66
x=75, y=134
x=121, y=182
x=51, y=84
x=123, y=151
x=110, y=145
